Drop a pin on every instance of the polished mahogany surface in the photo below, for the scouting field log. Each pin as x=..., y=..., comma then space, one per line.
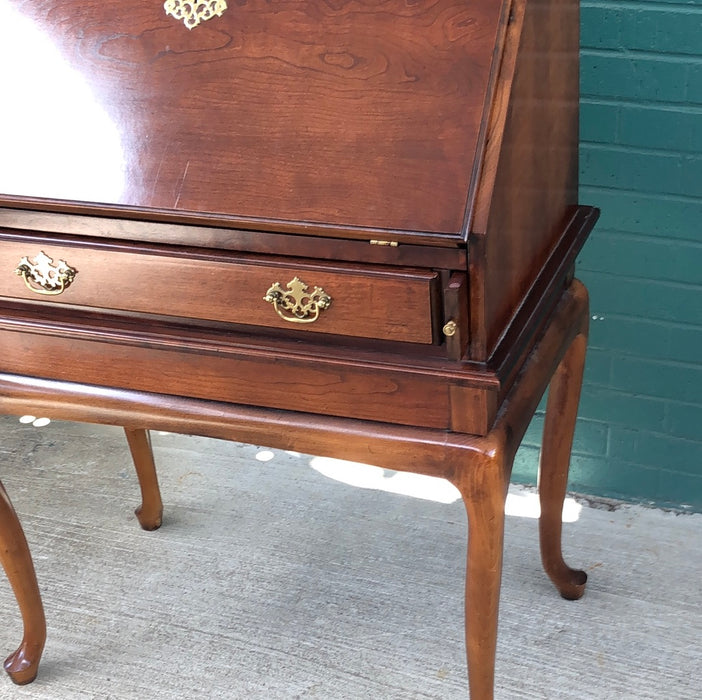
x=345, y=227
x=349, y=113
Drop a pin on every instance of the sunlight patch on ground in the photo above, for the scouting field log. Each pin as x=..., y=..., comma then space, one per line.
x=405, y=483
x=36, y=422
x=520, y=502
x=525, y=504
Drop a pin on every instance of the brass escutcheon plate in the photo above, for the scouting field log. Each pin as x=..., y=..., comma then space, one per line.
x=295, y=304
x=192, y=12
x=44, y=276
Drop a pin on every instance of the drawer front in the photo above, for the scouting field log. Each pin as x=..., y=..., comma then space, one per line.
x=365, y=302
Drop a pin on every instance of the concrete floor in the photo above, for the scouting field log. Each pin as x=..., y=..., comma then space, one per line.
x=274, y=578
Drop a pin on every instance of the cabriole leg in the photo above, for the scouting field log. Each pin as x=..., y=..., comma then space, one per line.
x=483, y=490
x=21, y=665
x=150, y=512
x=559, y=425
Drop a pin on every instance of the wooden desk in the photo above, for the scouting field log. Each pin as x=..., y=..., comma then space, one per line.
x=346, y=229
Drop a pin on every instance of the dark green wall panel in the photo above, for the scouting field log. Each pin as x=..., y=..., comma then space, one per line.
x=639, y=435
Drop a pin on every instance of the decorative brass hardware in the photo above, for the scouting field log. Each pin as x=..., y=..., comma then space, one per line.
x=296, y=304
x=450, y=328
x=192, y=12
x=43, y=276
x=392, y=244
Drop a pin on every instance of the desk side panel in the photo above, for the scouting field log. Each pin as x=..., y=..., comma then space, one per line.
x=535, y=182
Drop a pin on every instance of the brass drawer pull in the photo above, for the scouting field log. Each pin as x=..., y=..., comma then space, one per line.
x=43, y=276
x=296, y=304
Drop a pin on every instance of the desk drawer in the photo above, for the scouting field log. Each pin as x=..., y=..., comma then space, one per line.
x=365, y=302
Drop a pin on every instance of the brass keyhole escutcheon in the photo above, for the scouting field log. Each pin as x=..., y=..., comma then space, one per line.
x=44, y=276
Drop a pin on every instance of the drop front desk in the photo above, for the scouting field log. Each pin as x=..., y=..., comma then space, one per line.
x=343, y=227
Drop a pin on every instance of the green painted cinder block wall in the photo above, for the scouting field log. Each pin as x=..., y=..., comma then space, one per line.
x=639, y=435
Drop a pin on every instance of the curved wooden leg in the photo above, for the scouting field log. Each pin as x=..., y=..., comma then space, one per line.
x=150, y=512
x=559, y=425
x=484, y=493
x=21, y=665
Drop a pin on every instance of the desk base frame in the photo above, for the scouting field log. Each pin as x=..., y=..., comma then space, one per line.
x=479, y=466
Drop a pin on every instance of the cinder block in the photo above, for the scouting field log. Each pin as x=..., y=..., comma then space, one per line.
x=676, y=456
x=657, y=378
x=648, y=214
x=633, y=77
x=620, y=408
x=599, y=121
x=601, y=26
x=671, y=31
x=674, y=127
x=684, y=420
x=686, y=346
x=624, y=168
x=652, y=299
x=613, y=478
x=646, y=257
x=694, y=84
x=616, y=334
x=679, y=491
x=598, y=366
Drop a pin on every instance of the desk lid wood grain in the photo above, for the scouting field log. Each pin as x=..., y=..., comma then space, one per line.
x=286, y=114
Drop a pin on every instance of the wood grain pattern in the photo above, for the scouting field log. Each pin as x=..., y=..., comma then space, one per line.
x=479, y=466
x=370, y=302
x=22, y=665
x=392, y=446
x=150, y=512
x=184, y=172
x=255, y=376
x=49, y=218
x=532, y=186
x=358, y=113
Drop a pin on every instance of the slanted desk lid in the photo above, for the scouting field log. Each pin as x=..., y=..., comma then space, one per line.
x=314, y=114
